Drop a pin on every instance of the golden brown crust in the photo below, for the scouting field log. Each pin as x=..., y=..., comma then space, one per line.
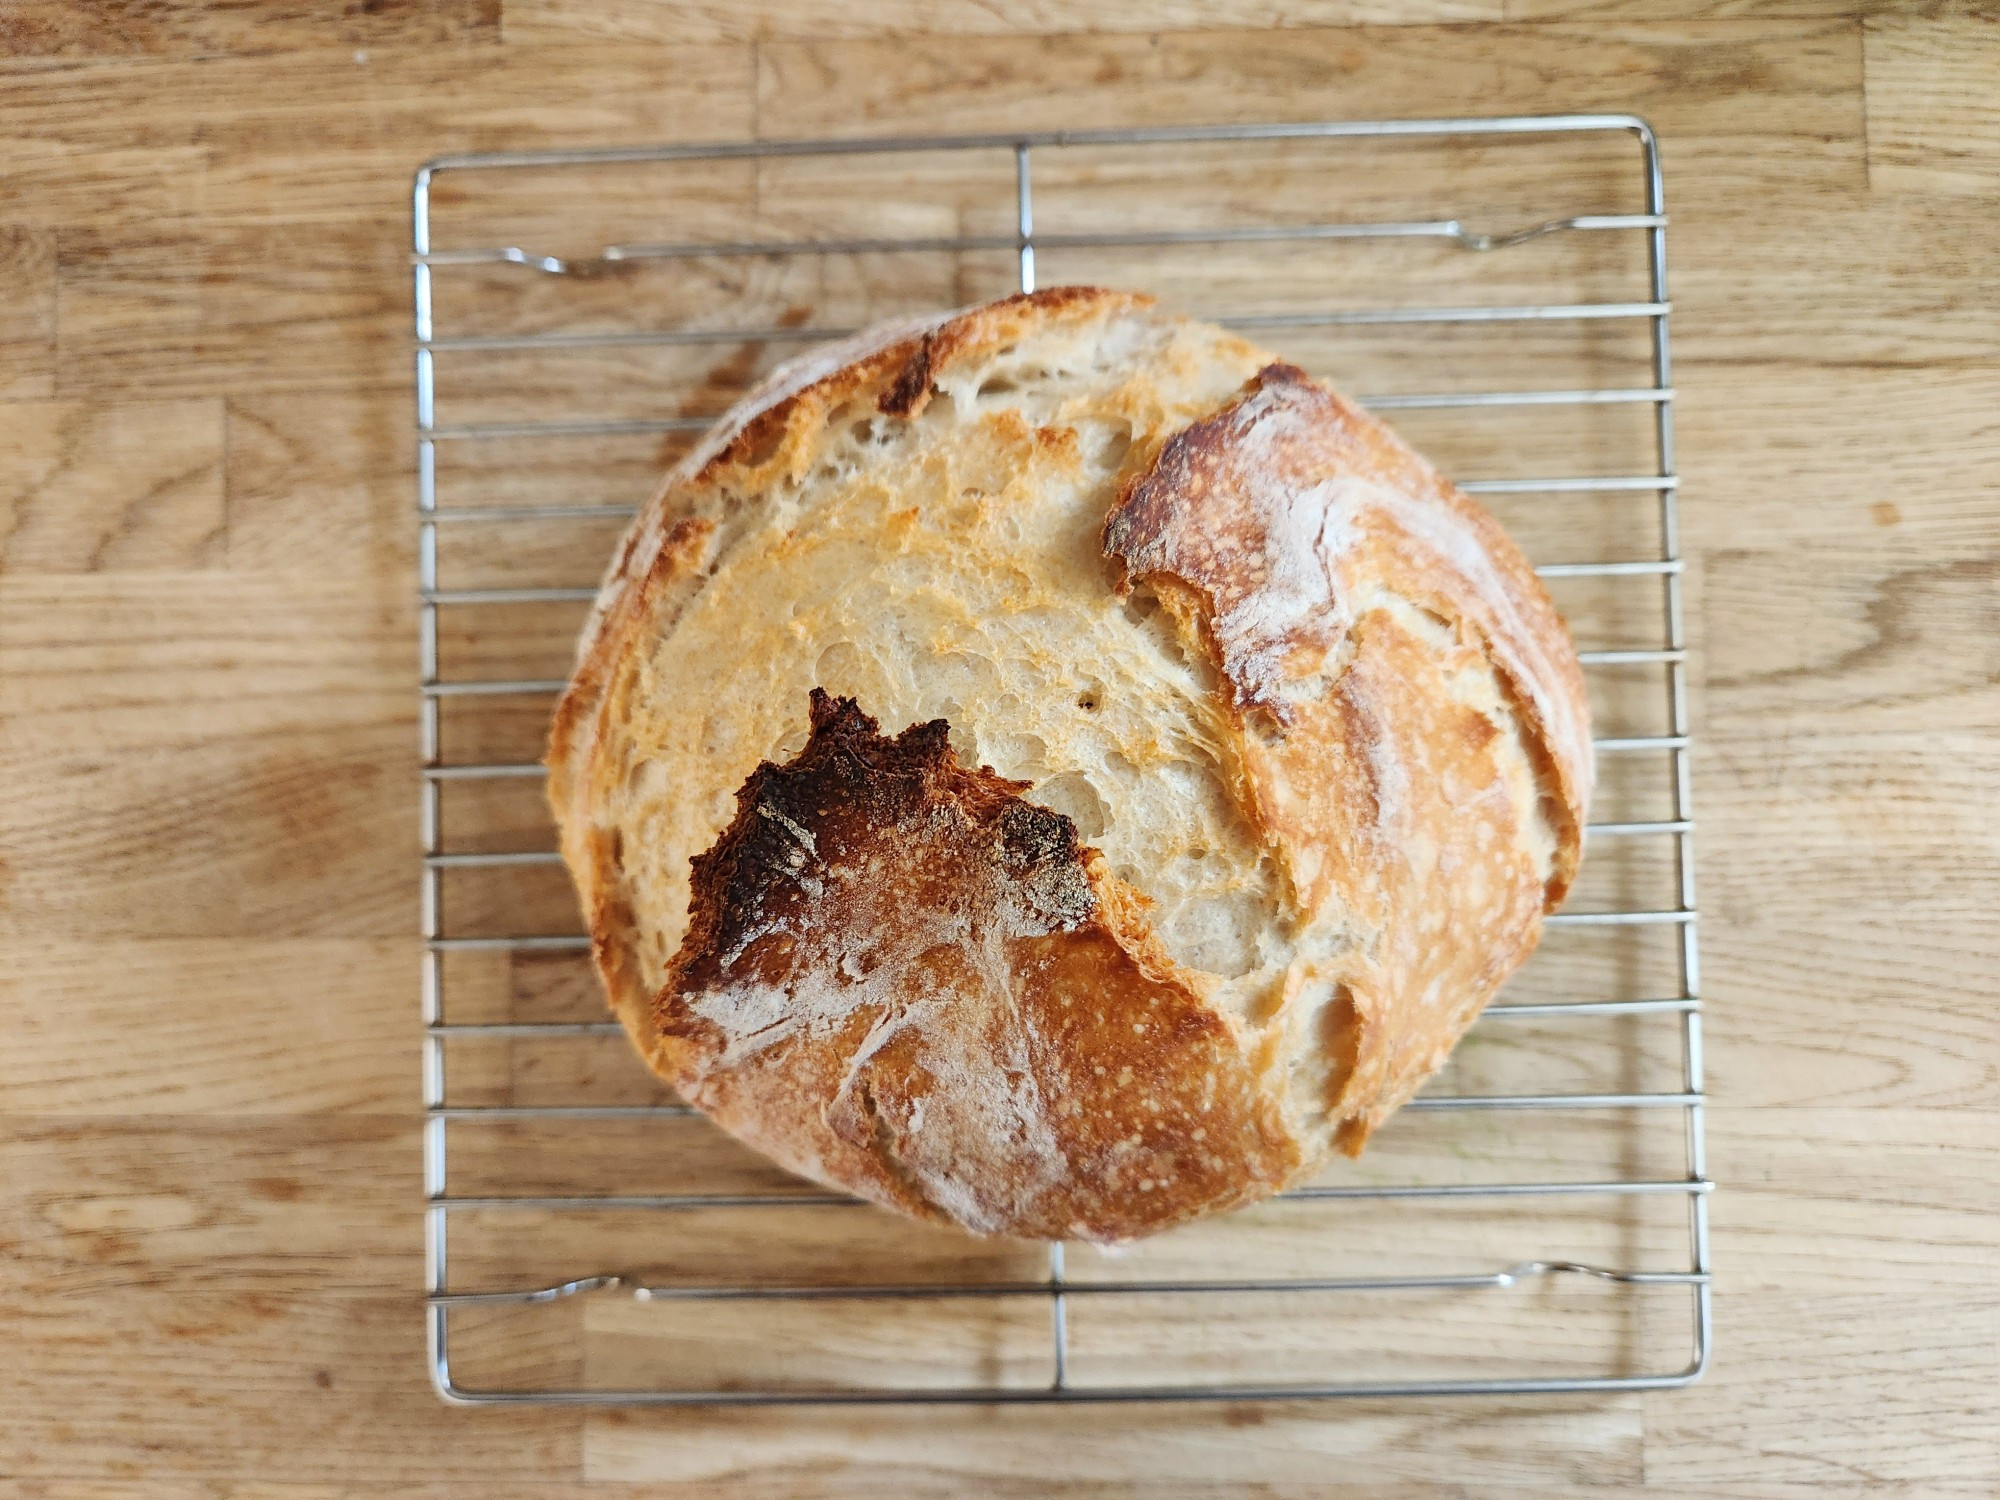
x=604, y=674
x=903, y=976
x=1293, y=534
x=908, y=978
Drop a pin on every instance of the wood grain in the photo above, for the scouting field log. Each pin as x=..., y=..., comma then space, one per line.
x=87, y=488
x=244, y=838
x=1892, y=1191
x=1863, y=655
x=210, y=1236
x=773, y=20
x=1507, y=1444
x=219, y=1043
x=1694, y=10
x=27, y=313
x=1864, y=1416
x=98, y=665
x=805, y=1483
x=1933, y=115
x=1838, y=290
x=1902, y=1005
x=327, y=136
x=1821, y=427
x=322, y=1386
x=1769, y=106
x=194, y=29
x=319, y=482
x=295, y=1205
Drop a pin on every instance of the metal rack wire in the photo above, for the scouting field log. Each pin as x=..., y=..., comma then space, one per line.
x=438, y=524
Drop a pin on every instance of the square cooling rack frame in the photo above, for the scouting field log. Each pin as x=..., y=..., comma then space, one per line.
x=438, y=527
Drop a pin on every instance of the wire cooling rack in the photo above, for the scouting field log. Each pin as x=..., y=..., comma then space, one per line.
x=1447, y=1261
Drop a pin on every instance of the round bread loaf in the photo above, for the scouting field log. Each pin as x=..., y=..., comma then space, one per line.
x=1057, y=770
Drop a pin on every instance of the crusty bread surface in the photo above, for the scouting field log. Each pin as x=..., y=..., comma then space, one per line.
x=1059, y=770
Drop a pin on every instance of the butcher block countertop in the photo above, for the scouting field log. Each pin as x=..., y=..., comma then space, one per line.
x=211, y=1260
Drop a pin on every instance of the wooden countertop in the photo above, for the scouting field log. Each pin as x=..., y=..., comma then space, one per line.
x=209, y=1255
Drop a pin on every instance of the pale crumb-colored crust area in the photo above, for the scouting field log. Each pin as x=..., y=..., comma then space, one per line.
x=902, y=976
x=1205, y=765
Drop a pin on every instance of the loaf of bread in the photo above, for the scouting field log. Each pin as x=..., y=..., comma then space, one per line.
x=1059, y=770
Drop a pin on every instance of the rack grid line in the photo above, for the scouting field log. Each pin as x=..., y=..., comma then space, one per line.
x=1069, y=1354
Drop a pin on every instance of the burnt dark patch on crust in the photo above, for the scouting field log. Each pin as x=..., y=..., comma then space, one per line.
x=800, y=829
x=912, y=385
x=902, y=976
x=1040, y=853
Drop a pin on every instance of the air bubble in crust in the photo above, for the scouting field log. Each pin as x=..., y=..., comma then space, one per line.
x=1072, y=795
x=837, y=666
